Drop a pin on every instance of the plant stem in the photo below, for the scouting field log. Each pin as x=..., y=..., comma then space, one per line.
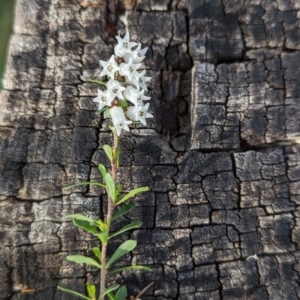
x=110, y=208
x=143, y=291
x=103, y=270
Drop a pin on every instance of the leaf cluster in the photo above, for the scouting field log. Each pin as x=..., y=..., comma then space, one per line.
x=121, y=292
x=100, y=229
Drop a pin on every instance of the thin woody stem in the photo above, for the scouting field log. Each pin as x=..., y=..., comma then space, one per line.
x=114, y=167
x=103, y=270
x=143, y=291
x=110, y=208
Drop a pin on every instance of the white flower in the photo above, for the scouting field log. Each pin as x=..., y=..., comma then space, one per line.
x=114, y=89
x=109, y=67
x=102, y=99
x=119, y=120
x=140, y=81
x=140, y=98
x=129, y=69
x=124, y=45
x=137, y=54
x=135, y=96
x=139, y=113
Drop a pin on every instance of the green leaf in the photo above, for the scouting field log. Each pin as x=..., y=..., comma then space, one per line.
x=86, y=226
x=111, y=186
x=98, y=81
x=122, y=293
x=74, y=293
x=135, y=267
x=124, y=210
x=102, y=170
x=111, y=296
x=85, y=183
x=82, y=218
x=108, y=150
x=109, y=289
x=103, y=236
x=132, y=225
x=123, y=249
x=91, y=289
x=97, y=253
x=132, y=194
x=102, y=225
x=80, y=259
x=90, y=224
x=119, y=190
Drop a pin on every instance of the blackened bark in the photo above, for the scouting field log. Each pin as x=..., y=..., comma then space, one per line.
x=221, y=157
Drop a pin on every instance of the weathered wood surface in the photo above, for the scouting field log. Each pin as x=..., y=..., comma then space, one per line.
x=221, y=157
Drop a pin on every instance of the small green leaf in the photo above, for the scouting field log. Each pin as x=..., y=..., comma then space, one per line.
x=122, y=293
x=80, y=259
x=85, y=183
x=97, y=253
x=108, y=150
x=82, y=218
x=91, y=289
x=124, y=210
x=74, y=293
x=119, y=190
x=123, y=249
x=87, y=223
x=136, y=267
x=130, y=226
x=103, y=236
x=109, y=289
x=132, y=194
x=112, y=128
x=98, y=81
x=102, y=225
x=86, y=226
x=111, y=186
x=111, y=296
x=102, y=170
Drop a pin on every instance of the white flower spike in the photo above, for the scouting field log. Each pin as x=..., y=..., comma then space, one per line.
x=125, y=89
x=109, y=67
x=124, y=45
x=119, y=120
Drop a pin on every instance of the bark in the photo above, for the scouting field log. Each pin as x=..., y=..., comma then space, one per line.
x=221, y=156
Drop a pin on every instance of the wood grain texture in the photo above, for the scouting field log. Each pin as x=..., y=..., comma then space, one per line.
x=221, y=156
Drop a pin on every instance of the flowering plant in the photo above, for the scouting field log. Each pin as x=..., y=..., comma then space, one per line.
x=123, y=102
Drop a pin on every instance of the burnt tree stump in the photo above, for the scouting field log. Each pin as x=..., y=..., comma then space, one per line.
x=221, y=156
